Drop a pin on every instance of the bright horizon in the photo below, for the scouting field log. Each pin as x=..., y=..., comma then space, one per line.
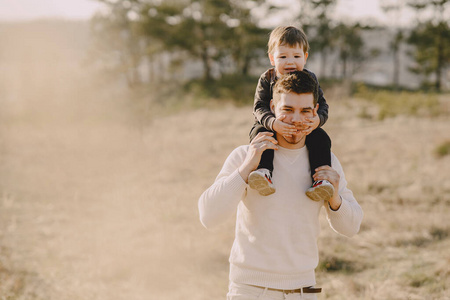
x=28, y=10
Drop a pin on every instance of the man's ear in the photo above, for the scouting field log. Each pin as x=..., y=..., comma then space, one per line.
x=272, y=60
x=272, y=106
x=316, y=109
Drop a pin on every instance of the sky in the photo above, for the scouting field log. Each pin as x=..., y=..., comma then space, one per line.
x=24, y=10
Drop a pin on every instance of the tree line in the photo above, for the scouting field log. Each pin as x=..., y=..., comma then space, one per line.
x=227, y=37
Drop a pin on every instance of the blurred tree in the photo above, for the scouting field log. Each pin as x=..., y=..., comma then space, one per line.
x=431, y=39
x=323, y=38
x=393, y=8
x=245, y=41
x=306, y=15
x=350, y=45
x=132, y=33
x=117, y=40
x=207, y=30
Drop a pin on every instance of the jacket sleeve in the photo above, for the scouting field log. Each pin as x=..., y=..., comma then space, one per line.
x=219, y=202
x=261, y=105
x=347, y=219
x=323, y=106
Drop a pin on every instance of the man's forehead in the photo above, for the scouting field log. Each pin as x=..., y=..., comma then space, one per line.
x=297, y=100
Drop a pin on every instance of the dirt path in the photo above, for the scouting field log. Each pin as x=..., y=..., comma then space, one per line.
x=94, y=205
x=91, y=205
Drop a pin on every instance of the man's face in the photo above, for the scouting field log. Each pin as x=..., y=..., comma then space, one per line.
x=287, y=59
x=297, y=108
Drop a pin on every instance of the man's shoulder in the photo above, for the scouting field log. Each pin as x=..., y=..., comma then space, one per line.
x=238, y=154
x=335, y=163
x=241, y=149
x=333, y=156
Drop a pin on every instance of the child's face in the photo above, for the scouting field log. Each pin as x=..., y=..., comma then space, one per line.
x=287, y=59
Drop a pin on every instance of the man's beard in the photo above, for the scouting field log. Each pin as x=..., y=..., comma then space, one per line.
x=294, y=139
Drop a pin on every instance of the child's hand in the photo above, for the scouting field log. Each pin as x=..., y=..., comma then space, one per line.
x=282, y=128
x=311, y=123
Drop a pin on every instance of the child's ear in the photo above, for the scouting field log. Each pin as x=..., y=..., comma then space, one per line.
x=316, y=109
x=272, y=60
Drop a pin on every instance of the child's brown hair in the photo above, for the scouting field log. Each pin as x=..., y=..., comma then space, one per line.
x=287, y=35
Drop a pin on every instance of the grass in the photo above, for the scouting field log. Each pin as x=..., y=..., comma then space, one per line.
x=337, y=264
x=236, y=88
x=390, y=103
x=108, y=201
x=443, y=149
x=15, y=283
x=126, y=196
x=99, y=190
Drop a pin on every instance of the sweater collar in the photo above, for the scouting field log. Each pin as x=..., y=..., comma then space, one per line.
x=293, y=152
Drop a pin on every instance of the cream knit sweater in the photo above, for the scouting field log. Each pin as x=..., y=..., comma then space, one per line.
x=276, y=236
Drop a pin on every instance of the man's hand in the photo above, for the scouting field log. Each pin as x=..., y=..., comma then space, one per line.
x=282, y=128
x=330, y=174
x=311, y=123
x=262, y=142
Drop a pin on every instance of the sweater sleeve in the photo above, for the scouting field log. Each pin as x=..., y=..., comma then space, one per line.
x=261, y=105
x=323, y=106
x=219, y=202
x=347, y=219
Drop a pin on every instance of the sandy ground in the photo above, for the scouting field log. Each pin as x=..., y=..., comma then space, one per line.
x=96, y=206
x=97, y=202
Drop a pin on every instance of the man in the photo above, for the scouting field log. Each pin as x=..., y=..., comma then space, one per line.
x=275, y=252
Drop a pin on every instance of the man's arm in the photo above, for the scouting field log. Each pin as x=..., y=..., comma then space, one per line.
x=347, y=218
x=343, y=211
x=220, y=200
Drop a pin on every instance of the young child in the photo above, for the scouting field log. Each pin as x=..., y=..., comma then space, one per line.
x=288, y=51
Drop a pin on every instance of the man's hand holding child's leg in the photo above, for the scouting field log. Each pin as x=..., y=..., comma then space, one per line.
x=325, y=186
x=261, y=179
x=331, y=176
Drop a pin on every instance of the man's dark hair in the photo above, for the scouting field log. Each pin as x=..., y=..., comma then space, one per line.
x=299, y=82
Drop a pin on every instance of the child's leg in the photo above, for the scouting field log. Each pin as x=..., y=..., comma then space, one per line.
x=266, y=161
x=319, y=147
x=261, y=178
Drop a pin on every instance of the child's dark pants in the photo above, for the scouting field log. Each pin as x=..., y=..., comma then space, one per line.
x=318, y=143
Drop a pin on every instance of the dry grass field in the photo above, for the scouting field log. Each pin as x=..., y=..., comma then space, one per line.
x=98, y=192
